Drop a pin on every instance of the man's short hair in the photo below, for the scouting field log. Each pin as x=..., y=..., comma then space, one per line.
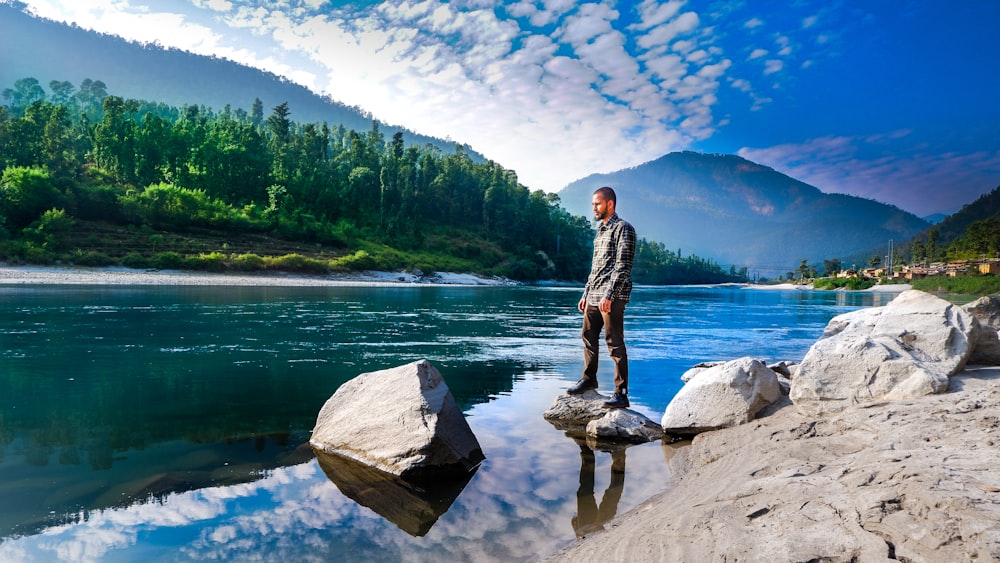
x=608, y=194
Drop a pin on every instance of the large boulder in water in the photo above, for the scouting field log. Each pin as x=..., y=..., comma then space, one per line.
x=906, y=349
x=721, y=396
x=402, y=420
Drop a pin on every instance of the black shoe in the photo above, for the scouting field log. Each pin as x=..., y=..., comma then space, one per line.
x=582, y=386
x=618, y=401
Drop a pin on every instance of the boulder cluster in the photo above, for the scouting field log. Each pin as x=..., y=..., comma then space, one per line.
x=906, y=349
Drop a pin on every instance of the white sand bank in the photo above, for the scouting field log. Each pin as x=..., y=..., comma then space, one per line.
x=58, y=275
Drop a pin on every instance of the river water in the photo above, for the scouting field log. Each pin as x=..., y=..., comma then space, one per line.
x=171, y=423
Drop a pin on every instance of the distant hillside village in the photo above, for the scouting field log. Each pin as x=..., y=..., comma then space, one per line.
x=952, y=269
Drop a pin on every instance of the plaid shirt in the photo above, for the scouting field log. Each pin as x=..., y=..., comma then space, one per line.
x=611, y=271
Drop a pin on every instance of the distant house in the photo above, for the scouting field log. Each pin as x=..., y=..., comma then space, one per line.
x=989, y=267
x=956, y=269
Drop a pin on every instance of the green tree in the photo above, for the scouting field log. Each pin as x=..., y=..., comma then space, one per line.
x=932, y=245
x=831, y=266
x=804, y=269
x=62, y=93
x=981, y=240
x=90, y=98
x=167, y=206
x=55, y=143
x=115, y=139
x=52, y=230
x=918, y=251
x=25, y=92
x=25, y=193
x=257, y=112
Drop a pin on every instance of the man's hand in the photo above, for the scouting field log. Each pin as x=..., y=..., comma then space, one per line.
x=582, y=305
x=605, y=305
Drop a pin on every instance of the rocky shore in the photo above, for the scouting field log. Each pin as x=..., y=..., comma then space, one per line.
x=885, y=449
x=912, y=480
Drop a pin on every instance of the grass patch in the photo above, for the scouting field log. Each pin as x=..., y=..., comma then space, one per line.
x=853, y=284
x=962, y=285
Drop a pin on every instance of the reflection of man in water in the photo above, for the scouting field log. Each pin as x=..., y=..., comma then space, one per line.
x=589, y=516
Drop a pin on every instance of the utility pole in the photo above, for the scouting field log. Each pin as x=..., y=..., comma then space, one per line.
x=889, y=261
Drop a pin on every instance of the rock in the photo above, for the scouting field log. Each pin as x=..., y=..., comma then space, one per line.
x=585, y=412
x=698, y=368
x=783, y=369
x=986, y=310
x=403, y=421
x=689, y=374
x=626, y=425
x=722, y=396
x=576, y=410
x=906, y=349
x=784, y=383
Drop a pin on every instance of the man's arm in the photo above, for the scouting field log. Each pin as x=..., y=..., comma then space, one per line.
x=624, y=257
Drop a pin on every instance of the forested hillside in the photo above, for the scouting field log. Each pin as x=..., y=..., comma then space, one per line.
x=96, y=179
x=971, y=233
x=48, y=50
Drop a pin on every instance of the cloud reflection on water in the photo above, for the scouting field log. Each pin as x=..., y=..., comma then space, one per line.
x=518, y=505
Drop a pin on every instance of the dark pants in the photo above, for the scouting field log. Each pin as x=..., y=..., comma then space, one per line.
x=613, y=324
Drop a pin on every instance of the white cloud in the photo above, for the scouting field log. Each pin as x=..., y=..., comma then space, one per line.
x=773, y=66
x=756, y=54
x=741, y=84
x=666, y=32
x=784, y=45
x=653, y=13
x=217, y=5
x=590, y=21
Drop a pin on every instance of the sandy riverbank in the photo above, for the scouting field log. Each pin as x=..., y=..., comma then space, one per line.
x=912, y=480
x=58, y=275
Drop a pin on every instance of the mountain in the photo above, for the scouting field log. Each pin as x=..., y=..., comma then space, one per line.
x=737, y=212
x=956, y=224
x=47, y=50
x=935, y=218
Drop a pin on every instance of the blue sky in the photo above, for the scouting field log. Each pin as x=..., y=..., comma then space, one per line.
x=890, y=100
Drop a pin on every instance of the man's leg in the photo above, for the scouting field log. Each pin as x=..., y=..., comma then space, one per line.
x=593, y=323
x=614, y=333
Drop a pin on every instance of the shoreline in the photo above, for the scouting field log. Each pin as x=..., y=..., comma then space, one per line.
x=80, y=275
x=116, y=275
x=886, y=288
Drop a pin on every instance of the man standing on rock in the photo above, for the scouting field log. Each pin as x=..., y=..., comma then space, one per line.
x=605, y=296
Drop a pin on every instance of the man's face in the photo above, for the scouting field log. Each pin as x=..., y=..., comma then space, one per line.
x=602, y=207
